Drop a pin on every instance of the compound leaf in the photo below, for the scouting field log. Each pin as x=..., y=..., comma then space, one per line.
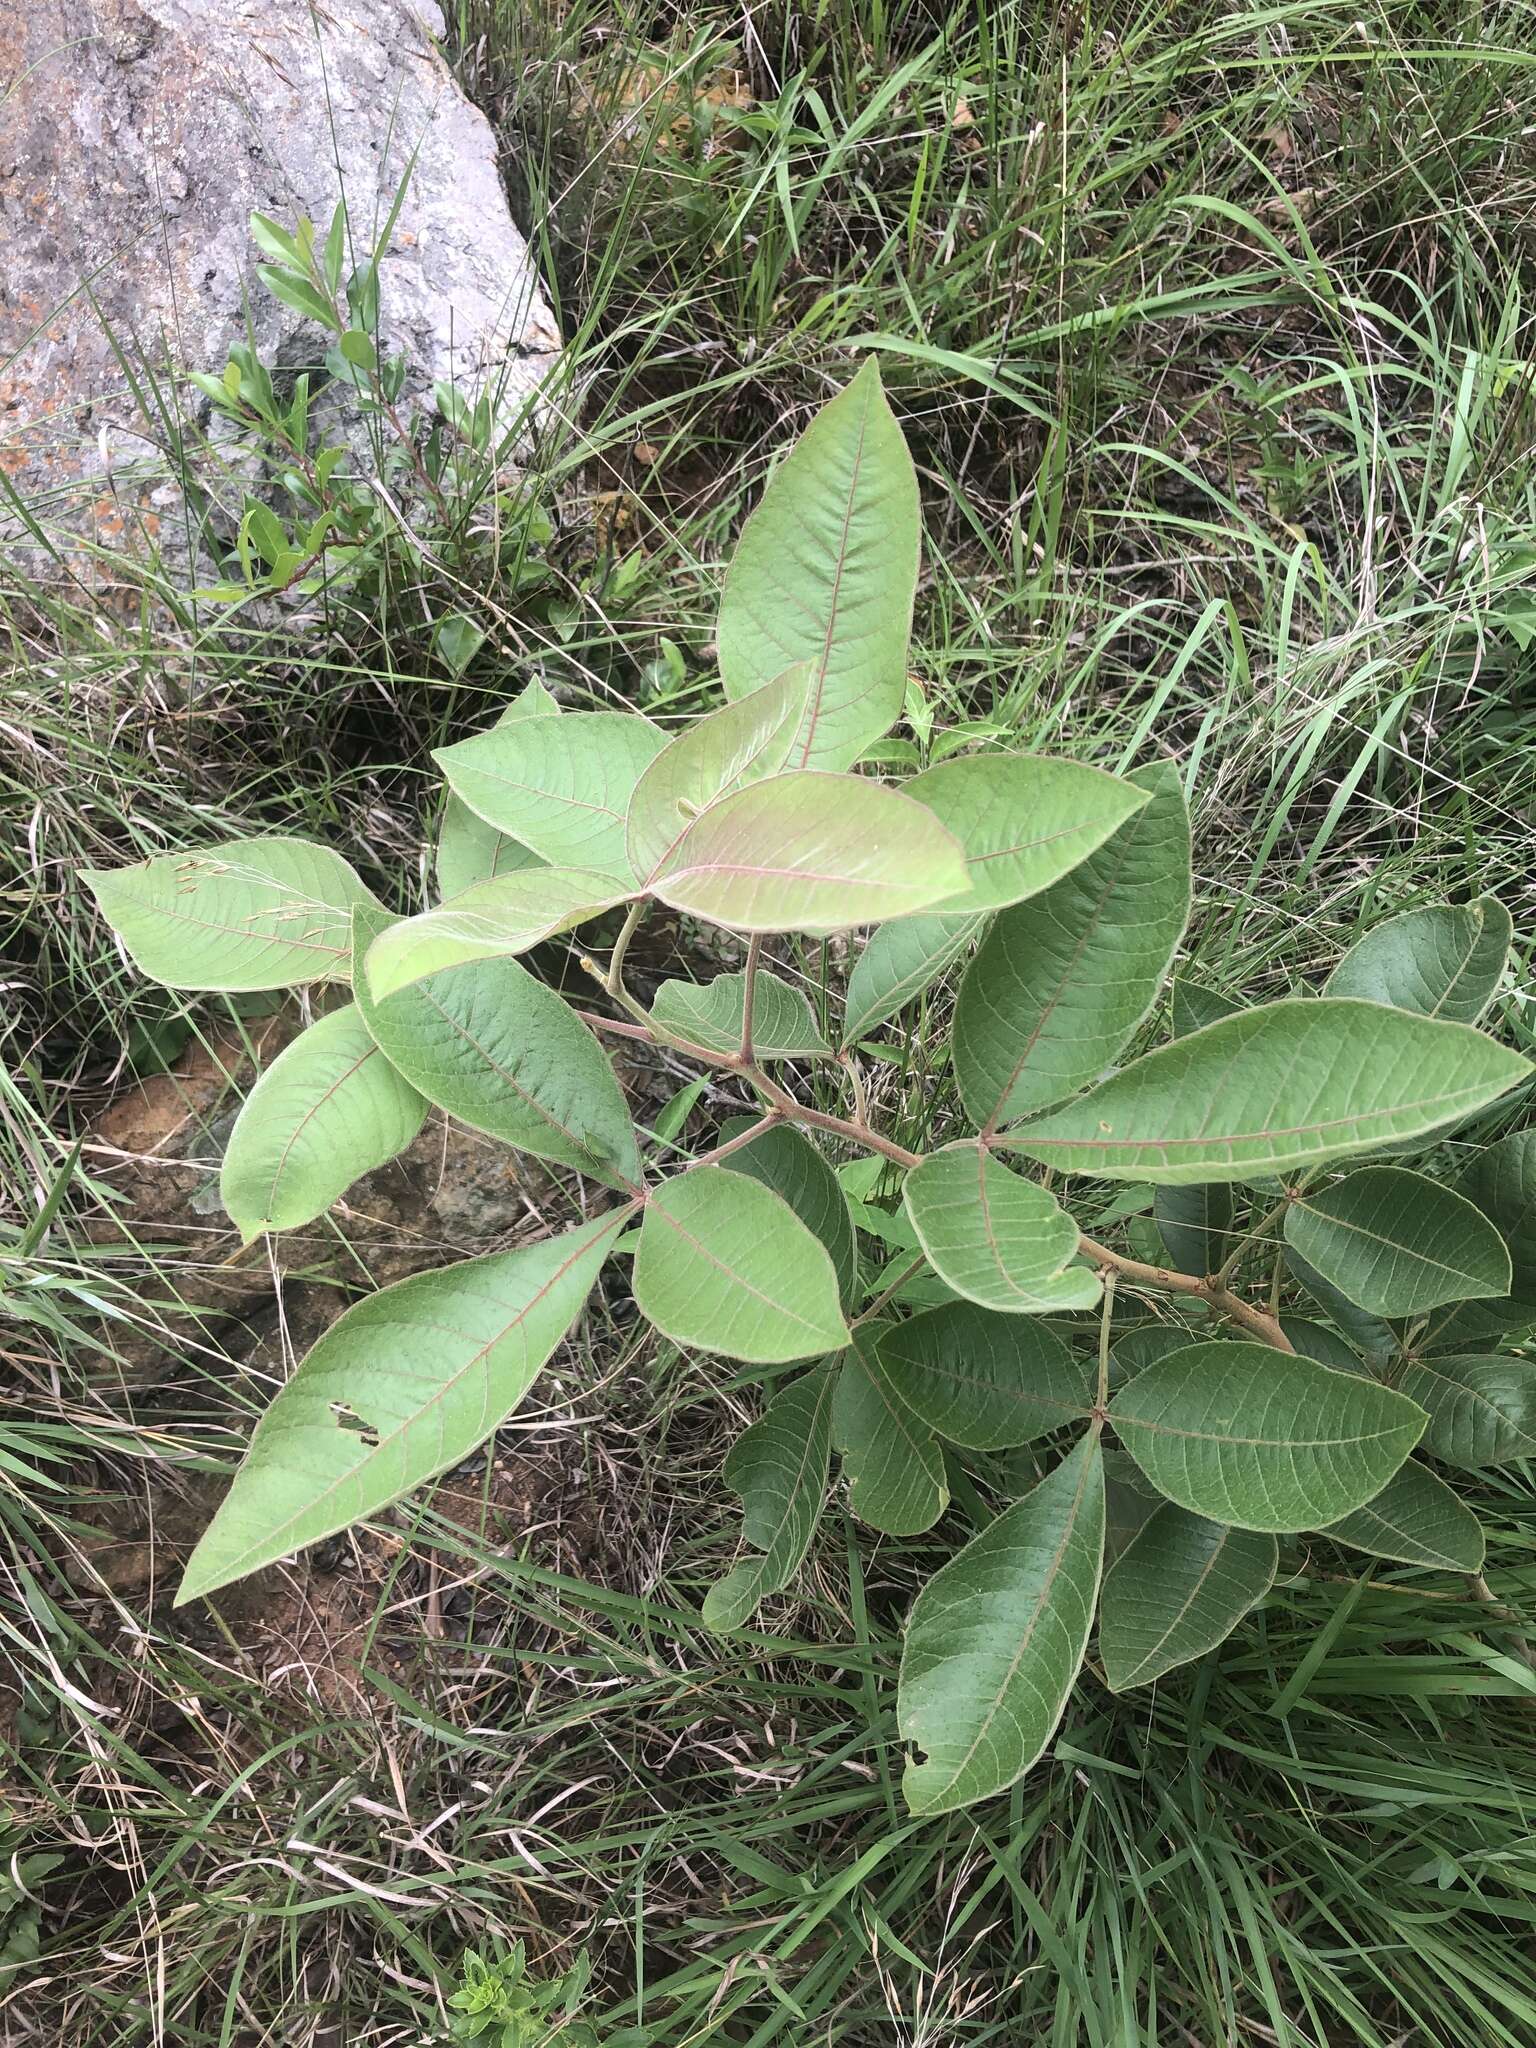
x=825, y=572
x=248, y=914
x=1178, y=1589
x=810, y=853
x=778, y=1467
x=560, y=785
x=726, y=1265
x=1396, y=1244
x=997, y=1238
x=1443, y=961
x=894, y=1467
x=401, y=1387
x=1023, y=820
x=1061, y=982
x=995, y=1640
x=986, y=1381
x=1261, y=1439
x=1292, y=1083
x=328, y=1109
x=1415, y=1519
x=714, y=755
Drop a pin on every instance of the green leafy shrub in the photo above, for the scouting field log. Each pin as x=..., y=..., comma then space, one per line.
x=979, y=1319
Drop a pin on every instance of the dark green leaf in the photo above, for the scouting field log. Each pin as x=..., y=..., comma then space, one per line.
x=984, y=1380
x=778, y=1467
x=1416, y=1519
x=787, y=1161
x=894, y=1467
x=1178, y=1590
x=1444, y=961
x=900, y=960
x=1395, y=1243
x=1482, y=1409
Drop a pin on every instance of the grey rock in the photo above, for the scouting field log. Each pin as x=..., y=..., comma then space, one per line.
x=136, y=139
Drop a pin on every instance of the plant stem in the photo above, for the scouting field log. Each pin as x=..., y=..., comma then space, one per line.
x=1162, y=1279
x=1229, y=1264
x=889, y=1293
x=614, y=980
x=748, y=996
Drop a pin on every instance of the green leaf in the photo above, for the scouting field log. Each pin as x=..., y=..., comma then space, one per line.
x=995, y=1640
x=1195, y=1224
x=401, y=1387
x=1415, y=1519
x=1316, y=1340
x=1260, y=1439
x=894, y=1467
x=997, y=1238
x=298, y=293
x=1395, y=1243
x=782, y=1025
x=501, y=1052
x=900, y=960
x=785, y=1160
x=810, y=853
x=249, y=914
x=1023, y=820
x=988, y=1382
x=1482, y=1409
x=1193, y=1006
x=561, y=785
x=725, y=1265
x=468, y=849
x=489, y=921
x=778, y=1467
x=1179, y=1588
x=1445, y=961
x=1293, y=1083
x=825, y=572
x=1501, y=1182
x=1369, y=1335
x=328, y=1109
x=1061, y=982
x=714, y=755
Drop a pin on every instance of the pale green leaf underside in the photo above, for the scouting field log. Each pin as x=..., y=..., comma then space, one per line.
x=1178, y=1589
x=1443, y=961
x=1482, y=1409
x=995, y=1237
x=725, y=1265
x=995, y=1640
x=1292, y=1083
x=248, y=914
x=328, y=1109
x=986, y=1381
x=825, y=572
x=470, y=850
x=710, y=1015
x=1023, y=820
x=401, y=1387
x=489, y=920
x=720, y=752
x=778, y=1468
x=1061, y=982
x=1396, y=1244
x=500, y=1051
x=786, y=1161
x=894, y=1467
x=1415, y=1519
x=1252, y=1437
x=810, y=853
x=561, y=785
x=900, y=960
